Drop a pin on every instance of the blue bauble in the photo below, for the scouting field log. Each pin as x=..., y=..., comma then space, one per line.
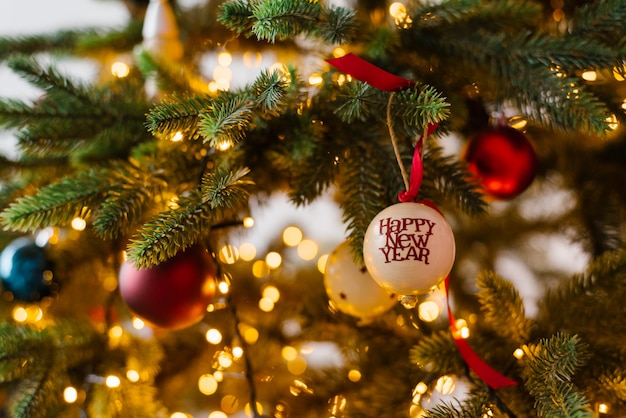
x=25, y=270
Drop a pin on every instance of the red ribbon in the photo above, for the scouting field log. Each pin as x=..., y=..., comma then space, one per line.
x=491, y=377
x=369, y=73
x=382, y=80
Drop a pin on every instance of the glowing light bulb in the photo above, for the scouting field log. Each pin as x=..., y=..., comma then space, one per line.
x=70, y=394
x=445, y=385
x=177, y=137
x=266, y=304
x=248, y=222
x=78, y=224
x=354, y=375
x=133, y=376
x=289, y=353
x=292, y=236
x=307, y=249
x=315, y=79
x=228, y=254
x=120, y=69
x=428, y=311
x=112, y=381
x=273, y=260
x=603, y=408
x=237, y=352
x=247, y=251
x=116, y=332
x=260, y=269
x=272, y=293
x=224, y=59
x=138, y=323
x=518, y=353
x=214, y=336
x=590, y=75
x=207, y=384
x=20, y=314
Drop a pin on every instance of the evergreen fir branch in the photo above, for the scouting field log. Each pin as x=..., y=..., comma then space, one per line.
x=356, y=100
x=448, y=176
x=74, y=99
x=171, y=231
x=362, y=192
x=337, y=25
x=138, y=400
x=131, y=190
x=227, y=120
x=549, y=367
x=284, y=19
x=477, y=404
x=437, y=353
x=20, y=351
x=505, y=14
x=225, y=188
x=38, y=396
x=236, y=15
x=503, y=307
x=312, y=175
x=169, y=77
x=602, y=19
x=57, y=203
x=32, y=44
x=178, y=115
x=270, y=89
x=418, y=107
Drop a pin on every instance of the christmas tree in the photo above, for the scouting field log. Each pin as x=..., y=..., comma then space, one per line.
x=471, y=150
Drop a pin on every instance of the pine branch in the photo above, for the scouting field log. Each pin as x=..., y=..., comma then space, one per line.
x=236, y=15
x=285, y=19
x=177, y=229
x=271, y=21
x=337, y=25
x=448, y=176
x=503, y=14
x=270, y=89
x=89, y=41
x=361, y=188
x=418, y=107
x=58, y=87
x=477, y=404
x=38, y=395
x=225, y=188
x=227, y=120
x=58, y=203
x=132, y=189
x=503, y=307
x=20, y=349
x=171, y=231
x=549, y=367
x=437, y=353
x=178, y=115
x=356, y=100
x=169, y=77
x=603, y=19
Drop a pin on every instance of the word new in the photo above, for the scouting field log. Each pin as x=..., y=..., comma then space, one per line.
x=406, y=239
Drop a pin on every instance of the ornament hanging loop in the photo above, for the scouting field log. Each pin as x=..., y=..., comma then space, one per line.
x=394, y=142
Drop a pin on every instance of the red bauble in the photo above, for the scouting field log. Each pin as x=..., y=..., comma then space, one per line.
x=173, y=294
x=503, y=161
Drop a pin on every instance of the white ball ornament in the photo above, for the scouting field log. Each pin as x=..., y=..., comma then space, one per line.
x=351, y=289
x=409, y=248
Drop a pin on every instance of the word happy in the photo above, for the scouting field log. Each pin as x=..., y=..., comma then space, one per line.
x=406, y=239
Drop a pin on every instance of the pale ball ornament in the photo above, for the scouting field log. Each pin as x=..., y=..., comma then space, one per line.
x=351, y=289
x=409, y=248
